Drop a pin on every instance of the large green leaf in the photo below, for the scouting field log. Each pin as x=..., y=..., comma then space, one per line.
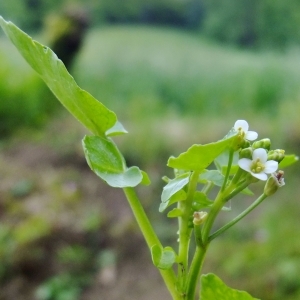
x=213, y=288
x=198, y=157
x=90, y=112
x=107, y=162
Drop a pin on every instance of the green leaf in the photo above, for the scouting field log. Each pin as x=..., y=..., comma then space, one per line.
x=213, y=288
x=174, y=213
x=247, y=192
x=163, y=258
x=288, y=160
x=117, y=129
x=174, y=186
x=221, y=162
x=201, y=201
x=173, y=192
x=178, y=196
x=212, y=175
x=198, y=157
x=90, y=112
x=146, y=180
x=107, y=162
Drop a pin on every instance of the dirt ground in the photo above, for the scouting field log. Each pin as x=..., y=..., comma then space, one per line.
x=45, y=177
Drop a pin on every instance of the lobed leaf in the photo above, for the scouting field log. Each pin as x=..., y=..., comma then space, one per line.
x=163, y=258
x=199, y=157
x=107, y=162
x=212, y=288
x=89, y=111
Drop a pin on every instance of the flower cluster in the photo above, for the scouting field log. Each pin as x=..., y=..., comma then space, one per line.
x=260, y=164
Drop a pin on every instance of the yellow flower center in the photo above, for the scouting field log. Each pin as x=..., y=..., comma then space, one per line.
x=257, y=166
x=241, y=134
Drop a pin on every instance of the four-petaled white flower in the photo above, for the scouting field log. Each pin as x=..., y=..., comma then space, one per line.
x=241, y=126
x=259, y=166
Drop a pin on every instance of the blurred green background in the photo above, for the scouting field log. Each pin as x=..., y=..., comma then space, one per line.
x=175, y=73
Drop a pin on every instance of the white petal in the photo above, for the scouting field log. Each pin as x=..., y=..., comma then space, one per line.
x=281, y=182
x=260, y=154
x=241, y=124
x=251, y=135
x=271, y=166
x=260, y=176
x=245, y=164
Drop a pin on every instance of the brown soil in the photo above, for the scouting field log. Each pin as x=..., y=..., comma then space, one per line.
x=49, y=180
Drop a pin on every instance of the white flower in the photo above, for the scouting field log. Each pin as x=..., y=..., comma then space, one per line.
x=259, y=166
x=241, y=126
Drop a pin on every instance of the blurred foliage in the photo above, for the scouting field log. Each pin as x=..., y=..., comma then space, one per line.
x=62, y=287
x=250, y=23
x=267, y=23
x=28, y=14
x=25, y=101
x=65, y=33
x=265, y=243
x=158, y=70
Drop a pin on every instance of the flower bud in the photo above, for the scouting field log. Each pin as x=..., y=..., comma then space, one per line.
x=274, y=182
x=264, y=143
x=246, y=153
x=199, y=217
x=277, y=155
x=246, y=144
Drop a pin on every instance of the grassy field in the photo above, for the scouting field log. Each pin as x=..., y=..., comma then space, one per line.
x=170, y=89
x=191, y=75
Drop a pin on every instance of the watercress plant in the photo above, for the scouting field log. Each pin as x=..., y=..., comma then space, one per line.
x=227, y=166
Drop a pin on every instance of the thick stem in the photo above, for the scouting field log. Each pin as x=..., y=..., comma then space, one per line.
x=150, y=237
x=239, y=217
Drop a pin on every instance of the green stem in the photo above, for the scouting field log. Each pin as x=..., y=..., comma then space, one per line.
x=150, y=237
x=185, y=231
x=220, y=199
x=237, y=190
x=230, y=159
x=217, y=206
x=207, y=187
x=195, y=271
x=238, y=218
